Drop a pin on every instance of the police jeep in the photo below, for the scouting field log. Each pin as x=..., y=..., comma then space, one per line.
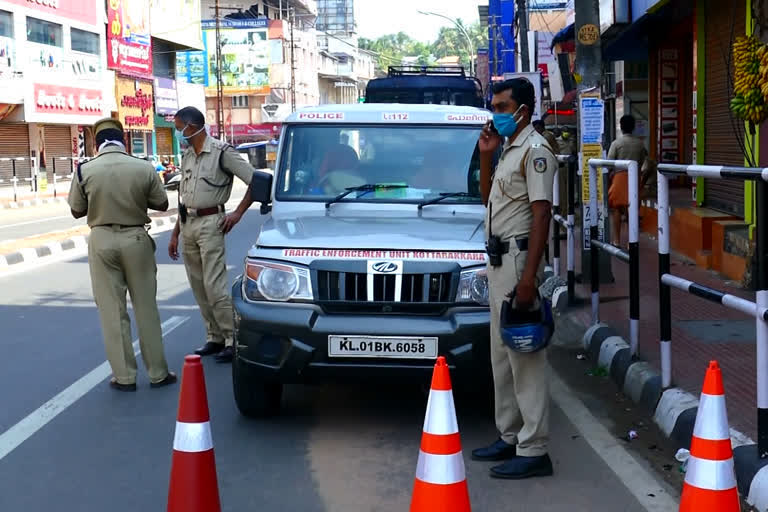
x=371, y=261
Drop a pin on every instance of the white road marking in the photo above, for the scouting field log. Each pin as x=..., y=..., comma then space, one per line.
x=23, y=430
x=38, y=221
x=638, y=479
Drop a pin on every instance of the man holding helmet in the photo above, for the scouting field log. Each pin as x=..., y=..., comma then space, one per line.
x=518, y=195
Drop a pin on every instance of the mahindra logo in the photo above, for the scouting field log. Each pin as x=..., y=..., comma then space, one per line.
x=385, y=267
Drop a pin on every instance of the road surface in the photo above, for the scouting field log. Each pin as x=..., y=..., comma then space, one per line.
x=335, y=448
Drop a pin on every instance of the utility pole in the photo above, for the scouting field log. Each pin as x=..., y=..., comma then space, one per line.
x=588, y=77
x=293, y=61
x=219, y=86
x=522, y=23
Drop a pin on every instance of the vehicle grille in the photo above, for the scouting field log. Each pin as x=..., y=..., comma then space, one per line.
x=355, y=287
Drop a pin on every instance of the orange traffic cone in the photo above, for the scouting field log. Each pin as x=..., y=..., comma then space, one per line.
x=441, y=483
x=193, y=487
x=710, y=480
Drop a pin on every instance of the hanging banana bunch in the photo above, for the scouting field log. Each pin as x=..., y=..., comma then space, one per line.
x=750, y=62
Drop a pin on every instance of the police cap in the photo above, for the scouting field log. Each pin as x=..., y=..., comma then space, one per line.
x=107, y=124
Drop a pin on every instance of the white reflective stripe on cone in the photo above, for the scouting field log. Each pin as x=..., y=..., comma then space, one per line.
x=714, y=475
x=441, y=415
x=193, y=437
x=440, y=469
x=712, y=419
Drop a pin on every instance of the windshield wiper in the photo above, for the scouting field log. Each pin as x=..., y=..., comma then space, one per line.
x=445, y=195
x=368, y=187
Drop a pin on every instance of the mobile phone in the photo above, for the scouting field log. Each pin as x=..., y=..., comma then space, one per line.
x=492, y=128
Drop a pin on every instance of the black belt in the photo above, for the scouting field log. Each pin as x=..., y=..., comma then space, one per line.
x=522, y=245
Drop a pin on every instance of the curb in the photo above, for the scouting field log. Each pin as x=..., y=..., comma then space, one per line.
x=674, y=410
x=29, y=254
x=13, y=205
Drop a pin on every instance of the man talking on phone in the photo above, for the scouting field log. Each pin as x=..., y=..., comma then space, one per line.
x=518, y=197
x=208, y=168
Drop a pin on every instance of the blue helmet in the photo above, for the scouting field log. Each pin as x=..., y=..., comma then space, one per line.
x=526, y=331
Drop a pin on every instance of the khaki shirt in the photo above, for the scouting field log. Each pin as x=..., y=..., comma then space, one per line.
x=511, y=193
x=552, y=140
x=203, y=183
x=628, y=147
x=116, y=188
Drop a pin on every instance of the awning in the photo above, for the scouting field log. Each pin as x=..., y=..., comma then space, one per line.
x=566, y=34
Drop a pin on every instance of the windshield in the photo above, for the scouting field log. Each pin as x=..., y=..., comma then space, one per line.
x=320, y=162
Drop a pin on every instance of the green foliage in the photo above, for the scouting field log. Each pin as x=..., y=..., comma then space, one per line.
x=392, y=48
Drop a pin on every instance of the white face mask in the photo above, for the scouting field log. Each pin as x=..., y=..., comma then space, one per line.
x=113, y=142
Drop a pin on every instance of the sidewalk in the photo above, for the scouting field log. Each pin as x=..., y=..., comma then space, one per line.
x=26, y=197
x=701, y=330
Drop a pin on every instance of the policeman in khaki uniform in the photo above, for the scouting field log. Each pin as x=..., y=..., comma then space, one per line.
x=208, y=168
x=114, y=190
x=518, y=196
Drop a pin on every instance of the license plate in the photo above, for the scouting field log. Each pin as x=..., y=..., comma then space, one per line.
x=385, y=347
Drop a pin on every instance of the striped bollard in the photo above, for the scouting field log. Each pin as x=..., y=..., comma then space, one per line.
x=193, y=486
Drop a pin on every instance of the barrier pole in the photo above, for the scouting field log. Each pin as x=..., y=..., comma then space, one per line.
x=634, y=257
x=594, y=252
x=571, y=184
x=555, y=224
x=15, y=179
x=762, y=327
x=665, y=303
x=54, y=178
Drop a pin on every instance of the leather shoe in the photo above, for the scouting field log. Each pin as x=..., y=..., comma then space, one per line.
x=498, y=450
x=226, y=355
x=209, y=349
x=521, y=467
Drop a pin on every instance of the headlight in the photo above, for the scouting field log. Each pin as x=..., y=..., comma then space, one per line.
x=266, y=280
x=473, y=286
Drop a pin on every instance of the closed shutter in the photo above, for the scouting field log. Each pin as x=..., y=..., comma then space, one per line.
x=164, y=143
x=14, y=143
x=58, y=145
x=722, y=144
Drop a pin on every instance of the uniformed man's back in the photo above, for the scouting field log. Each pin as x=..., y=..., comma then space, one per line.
x=119, y=188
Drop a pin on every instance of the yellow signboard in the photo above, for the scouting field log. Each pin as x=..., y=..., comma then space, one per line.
x=588, y=34
x=589, y=151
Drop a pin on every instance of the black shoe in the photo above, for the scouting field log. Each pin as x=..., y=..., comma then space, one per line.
x=209, y=349
x=523, y=467
x=167, y=381
x=122, y=387
x=499, y=450
x=226, y=355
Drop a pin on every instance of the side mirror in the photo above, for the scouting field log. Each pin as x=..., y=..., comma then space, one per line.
x=261, y=189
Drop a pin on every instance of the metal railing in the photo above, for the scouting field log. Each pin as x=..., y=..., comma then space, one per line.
x=569, y=163
x=631, y=257
x=758, y=309
x=15, y=178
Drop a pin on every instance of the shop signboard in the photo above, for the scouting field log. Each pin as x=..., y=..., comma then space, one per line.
x=129, y=45
x=180, y=22
x=245, y=56
x=51, y=103
x=166, y=99
x=135, y=104
x=81, y=11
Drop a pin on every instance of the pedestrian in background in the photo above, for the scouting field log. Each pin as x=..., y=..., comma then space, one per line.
x=519, y=197
x=115, y=190
x=208, y=168
x=625, y=147
x=562, y=175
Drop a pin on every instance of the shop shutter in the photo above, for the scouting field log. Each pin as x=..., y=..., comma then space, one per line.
x=14, y=143
x=58, y=144
x=164, y=142
x=722, y=146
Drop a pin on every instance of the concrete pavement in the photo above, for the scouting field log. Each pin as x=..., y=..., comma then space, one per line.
x=340, y=448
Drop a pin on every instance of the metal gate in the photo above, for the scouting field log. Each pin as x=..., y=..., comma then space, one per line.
x=14, y=143
x=58, y=145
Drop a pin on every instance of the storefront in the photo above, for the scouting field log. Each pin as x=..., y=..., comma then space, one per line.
x=135, y=110
x=166, y=106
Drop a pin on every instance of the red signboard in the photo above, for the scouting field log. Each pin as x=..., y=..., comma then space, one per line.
x=129, y=46
x=59, y=99
x=83, y=11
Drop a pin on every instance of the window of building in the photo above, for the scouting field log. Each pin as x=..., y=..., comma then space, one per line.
x=239, y=101
x=86, y=42
x=44, y=32
x=6, y=24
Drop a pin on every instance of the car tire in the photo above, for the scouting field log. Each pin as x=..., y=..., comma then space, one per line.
x=254, y=396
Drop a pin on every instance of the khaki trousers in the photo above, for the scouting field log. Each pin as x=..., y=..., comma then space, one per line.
x=521, y=381
x=123, y=259
x=204, y=259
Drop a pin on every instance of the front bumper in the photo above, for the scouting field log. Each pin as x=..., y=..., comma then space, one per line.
x=289, y=341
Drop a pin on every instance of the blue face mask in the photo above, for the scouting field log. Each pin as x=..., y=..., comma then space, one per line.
x=506, y=124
